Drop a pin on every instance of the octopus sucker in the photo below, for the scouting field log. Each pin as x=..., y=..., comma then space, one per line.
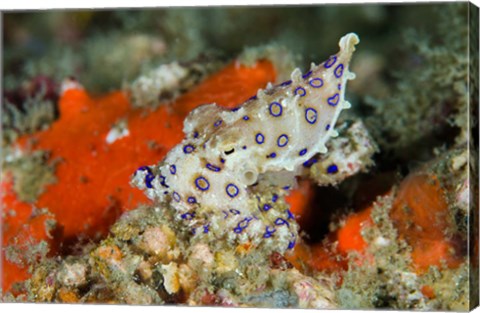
x=230, y=159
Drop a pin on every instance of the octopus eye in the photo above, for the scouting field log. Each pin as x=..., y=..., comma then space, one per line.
x=227, y=152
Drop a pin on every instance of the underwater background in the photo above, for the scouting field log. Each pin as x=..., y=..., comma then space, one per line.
x=392, y=233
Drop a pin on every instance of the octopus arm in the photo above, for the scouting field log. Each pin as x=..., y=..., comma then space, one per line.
x=201, y=120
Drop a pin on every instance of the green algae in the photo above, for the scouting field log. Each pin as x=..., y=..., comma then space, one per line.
x=31, y=174
x=37, y=114
x=430, y=89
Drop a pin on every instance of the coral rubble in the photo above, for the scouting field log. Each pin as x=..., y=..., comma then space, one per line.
x=158, y=260
x=224, y=177
x=93, y=170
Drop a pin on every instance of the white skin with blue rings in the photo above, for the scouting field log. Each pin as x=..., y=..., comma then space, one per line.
x=265, y=141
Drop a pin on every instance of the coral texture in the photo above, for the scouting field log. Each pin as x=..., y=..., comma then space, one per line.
x=93, y=165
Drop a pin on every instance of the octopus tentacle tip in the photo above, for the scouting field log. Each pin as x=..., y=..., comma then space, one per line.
x=322, y=149
x=349, y=41
x=296, y=75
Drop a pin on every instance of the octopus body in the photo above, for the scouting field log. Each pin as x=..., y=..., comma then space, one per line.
x=229, y=175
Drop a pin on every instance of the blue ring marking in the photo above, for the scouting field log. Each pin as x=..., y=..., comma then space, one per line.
x=202, y=180
x=195, y=134
x=333, y=100
x=173, y=169
x=187, y=216
x=194, y=230
x=290, y=215
x=235, y=109
x=311, y=115
x=213, y=167
x=234, y=211
x=226, y=214
x=329, y=63
x=218, y=123
x=286, y=187
x=283, y=137
x=231, y=193
x=148, y=180
x=327, y=127
x=274, y=197
x=332, y=169
x=187, y=149
x=266, y=207
x=268, y=232
x=300, y=91
x=252, y=98
x=206, y=228
x=280, y=221
x=302, y=152
x=286, y=83
x=192, y=200
x=244, y=223
x=259, y=138
x=144, y=168
x=310, y=162
x=237, y=230
x=162, y=181
x=246, y=118
x=338, y=71
x=291, y=244
x=244, y=147
x=176, y=196
x=277, y=106
x=239, y=227
x=307, y=74
x=316, y=82
x=272, y=155
x=222, y=160
x=339, y=87
x=165, y=192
